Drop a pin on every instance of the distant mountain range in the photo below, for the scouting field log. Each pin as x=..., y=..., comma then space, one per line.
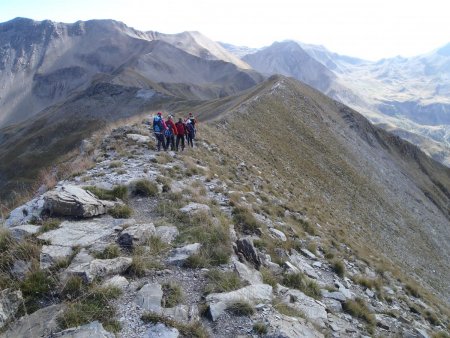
x=408, y=96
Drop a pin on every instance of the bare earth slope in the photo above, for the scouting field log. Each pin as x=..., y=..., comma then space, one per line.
x=373, y=188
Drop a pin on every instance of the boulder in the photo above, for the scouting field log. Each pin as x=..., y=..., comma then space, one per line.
x=278, y=234
x=79, y=265
x=245, y=247
x=10, y=301
x=179, y=255
x=139, y=138
x=91, y=330
x=39, y=324
x=84, y=233
x=20, y=269
x=167, y=233
x=52, y=254
x=282, y=326
x=149, y=297
x=26, y=213
x=70, y=200
x=195, y=208
x=251, y=275
x=161, y=331
x=180, y=313
x=135, y=235
x=107, y=267
x=254, y=294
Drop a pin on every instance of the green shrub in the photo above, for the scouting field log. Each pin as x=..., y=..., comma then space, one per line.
x=287, y=310
x=196, y=261
x=172, y=295
x=260, y=328
x=222, y=281
x=120, y=211
x=241, y=308
x=300, y=282
x=157, y=245
x=145, y=188
x=49, y=224
x=412, y=290
x=358, y=308
x=338, y=267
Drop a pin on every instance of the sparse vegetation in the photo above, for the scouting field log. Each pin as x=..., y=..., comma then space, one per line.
x=172, y=295
x=412, y=290
x=358, y=308
x=301, y=282
x=120, y=211
x=115, y=164
x=192, y=330
x=111, y=251
x=287, y=310
x=222, y=281
x=241, y=308
x=338, y=267
x=268, y=277
x=145, y=188
x=49, y=224
x=36, y=288
x=260, y=328
x=73, y=288
x=245, y=221
x=94, y=305
x=120, y=191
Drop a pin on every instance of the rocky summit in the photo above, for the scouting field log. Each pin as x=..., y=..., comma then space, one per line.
x=163, y=244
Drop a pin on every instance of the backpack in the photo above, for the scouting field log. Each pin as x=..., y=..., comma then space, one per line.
x=168, y=132
x=157, y=124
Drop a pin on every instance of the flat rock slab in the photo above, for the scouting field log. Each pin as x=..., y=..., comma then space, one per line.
x=84, y=233
x=24, y=230
x=71, y=200
x=39, y=324
x=248, y=274
x=149, y=297
x=283, y=326
x=91, y=330
x=161, y=331
x=179, y=255
x=218, y=302
x=52, y=254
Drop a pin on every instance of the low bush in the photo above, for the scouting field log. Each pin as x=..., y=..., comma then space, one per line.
x=287, y=310
x=73, y=288
x=245, y=222
x=412, y=290
x=49, y=224
x=338, y=267
x=120, y=191
x=111, y=251
x=37, y=289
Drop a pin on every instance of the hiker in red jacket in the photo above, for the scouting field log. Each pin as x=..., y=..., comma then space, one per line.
x=170, y=133
x=181, y=131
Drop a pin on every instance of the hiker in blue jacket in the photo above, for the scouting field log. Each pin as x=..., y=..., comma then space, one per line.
x=159, y=126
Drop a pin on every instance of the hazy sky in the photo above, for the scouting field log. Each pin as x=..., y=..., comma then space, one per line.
x=370, y=29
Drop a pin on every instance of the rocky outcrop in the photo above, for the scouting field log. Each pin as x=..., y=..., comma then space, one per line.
x=244, y=246
x=135, y=235
x=286, y=327
x=26, y=213
x=70, y=200
x=52, y=254
x=161, y=331
x=195, y=208
x=10, y=300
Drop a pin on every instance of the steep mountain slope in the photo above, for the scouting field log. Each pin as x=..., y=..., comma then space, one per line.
x=370, y=188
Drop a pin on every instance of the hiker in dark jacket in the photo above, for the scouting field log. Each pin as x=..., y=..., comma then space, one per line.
x=159, y=126
x=181, y=131
x=170, y=133
x=190, y=133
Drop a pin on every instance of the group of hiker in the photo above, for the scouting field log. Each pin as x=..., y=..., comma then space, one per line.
x=171, y=135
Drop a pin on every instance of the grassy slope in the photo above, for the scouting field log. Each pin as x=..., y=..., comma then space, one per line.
x=369, y=188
